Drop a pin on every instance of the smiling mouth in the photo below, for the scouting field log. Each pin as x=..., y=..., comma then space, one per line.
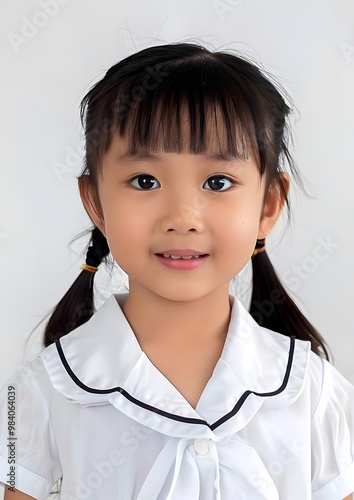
x=180, y=257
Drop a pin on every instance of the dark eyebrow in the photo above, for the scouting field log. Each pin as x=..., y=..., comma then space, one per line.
x=128, y=157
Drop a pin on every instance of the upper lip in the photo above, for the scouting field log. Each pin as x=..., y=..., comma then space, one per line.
x=181, y=253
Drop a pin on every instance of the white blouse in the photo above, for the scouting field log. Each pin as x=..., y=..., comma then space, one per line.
x=275, y=421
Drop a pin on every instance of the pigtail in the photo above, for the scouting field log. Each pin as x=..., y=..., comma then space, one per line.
x=273, y=308
x=77, y=305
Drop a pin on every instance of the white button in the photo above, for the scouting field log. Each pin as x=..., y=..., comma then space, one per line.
x=201, y=446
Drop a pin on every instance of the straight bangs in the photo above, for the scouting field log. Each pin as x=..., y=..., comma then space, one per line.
x=198, y=106
x=191, y=111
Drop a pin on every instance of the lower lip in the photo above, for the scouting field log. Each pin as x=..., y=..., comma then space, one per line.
x=181, y=264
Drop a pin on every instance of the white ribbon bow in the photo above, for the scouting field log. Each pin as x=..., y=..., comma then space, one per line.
x=235, y=463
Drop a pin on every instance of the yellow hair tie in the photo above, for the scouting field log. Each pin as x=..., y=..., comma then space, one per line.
x=91, y=269
x=258, y=250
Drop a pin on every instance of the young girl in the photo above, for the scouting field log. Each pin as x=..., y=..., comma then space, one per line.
x=173, y=390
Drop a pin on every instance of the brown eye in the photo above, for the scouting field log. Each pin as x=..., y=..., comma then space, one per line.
x=145, y=182
x=219, y=183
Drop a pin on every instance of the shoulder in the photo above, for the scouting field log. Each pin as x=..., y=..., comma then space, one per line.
x=24, y=379
x=29, y=389
x=329, y=387
x=329, y=401
x=325, y=386
x=332, y=431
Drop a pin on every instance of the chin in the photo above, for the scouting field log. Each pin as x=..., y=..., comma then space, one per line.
x=185, y=293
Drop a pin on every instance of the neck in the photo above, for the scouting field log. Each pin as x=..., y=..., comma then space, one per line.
x=181, y=323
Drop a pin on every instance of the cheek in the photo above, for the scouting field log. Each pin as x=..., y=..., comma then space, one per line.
x=126, y=228
x=239, y=239
x=239, y=224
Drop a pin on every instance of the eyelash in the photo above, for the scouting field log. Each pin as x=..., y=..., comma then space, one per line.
x=233, y=183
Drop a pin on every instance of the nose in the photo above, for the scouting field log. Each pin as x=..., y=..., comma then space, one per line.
x=182, y=217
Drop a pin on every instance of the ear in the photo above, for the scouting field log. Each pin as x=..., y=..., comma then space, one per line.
x=272, y=206
x=91, y=202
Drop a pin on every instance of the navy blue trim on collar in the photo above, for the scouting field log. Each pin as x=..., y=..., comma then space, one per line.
x=245, y=395
x=124, y=393
x=172, y=416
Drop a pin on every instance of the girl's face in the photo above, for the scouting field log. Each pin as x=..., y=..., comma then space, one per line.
x=152, y=205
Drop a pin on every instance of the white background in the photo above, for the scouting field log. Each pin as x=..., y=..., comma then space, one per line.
x=307, y=44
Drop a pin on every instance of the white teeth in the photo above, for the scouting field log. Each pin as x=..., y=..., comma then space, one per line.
x=180, y=257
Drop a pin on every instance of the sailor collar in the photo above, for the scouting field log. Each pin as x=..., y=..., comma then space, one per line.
x=101, y=362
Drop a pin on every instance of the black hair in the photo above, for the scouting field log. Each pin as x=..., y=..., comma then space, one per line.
x=77, y=305
x=231, y=106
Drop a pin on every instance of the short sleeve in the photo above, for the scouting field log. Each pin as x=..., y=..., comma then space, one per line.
x=29, y=457
x=332, y=434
